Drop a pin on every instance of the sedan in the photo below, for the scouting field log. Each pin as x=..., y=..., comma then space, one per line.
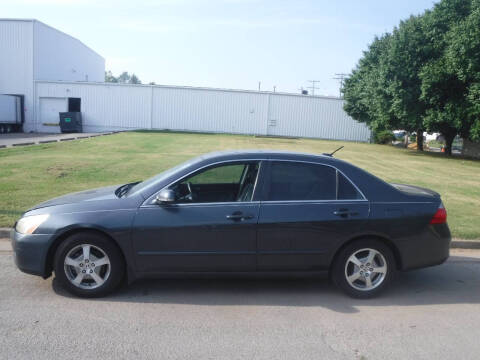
x=237, y=212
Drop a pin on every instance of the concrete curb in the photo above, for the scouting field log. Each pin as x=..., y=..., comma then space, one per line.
x=4, y=233
x=465, y=244
x=46, y=141
x=456, y=243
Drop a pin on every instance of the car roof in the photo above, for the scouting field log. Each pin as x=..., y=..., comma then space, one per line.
x=265, y=154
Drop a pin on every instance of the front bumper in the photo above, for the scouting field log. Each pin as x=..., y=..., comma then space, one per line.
x=30, y=252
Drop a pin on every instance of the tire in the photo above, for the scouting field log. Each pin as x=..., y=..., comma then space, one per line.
x=346, y=268
x=85, y=278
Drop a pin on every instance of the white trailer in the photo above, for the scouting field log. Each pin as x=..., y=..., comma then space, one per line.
x=11, y=116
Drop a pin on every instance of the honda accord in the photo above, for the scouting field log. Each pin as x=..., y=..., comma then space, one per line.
x=236, y=212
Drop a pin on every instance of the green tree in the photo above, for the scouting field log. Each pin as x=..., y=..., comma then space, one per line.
x=423, y=76
x=444, y=89
x=134, y=79
x=408, y=52
x=124, y=77
x=109, y=77
x=365, y=92
x=463, y=58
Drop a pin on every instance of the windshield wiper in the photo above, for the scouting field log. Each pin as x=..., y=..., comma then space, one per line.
x=123, y=190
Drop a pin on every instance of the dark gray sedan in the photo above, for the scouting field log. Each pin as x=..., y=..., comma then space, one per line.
x=237, y=212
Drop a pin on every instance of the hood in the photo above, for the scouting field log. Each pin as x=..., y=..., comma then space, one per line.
x=415, y=190
x=104, y=193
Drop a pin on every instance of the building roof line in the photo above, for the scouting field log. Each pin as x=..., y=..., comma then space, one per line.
x=55, y=29
x=190, y=88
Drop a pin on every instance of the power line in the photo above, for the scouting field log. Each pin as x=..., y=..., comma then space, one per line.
x=313, y=87
x=341, y=77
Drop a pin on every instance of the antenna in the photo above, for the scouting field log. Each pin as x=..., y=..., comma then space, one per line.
x=331, y=154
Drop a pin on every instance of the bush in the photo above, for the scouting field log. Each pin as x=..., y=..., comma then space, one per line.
x=383, y=137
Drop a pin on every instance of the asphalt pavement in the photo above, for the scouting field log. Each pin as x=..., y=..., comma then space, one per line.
x=432, y=313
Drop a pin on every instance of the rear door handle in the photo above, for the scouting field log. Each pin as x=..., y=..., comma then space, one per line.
x=344, y=213
x=239, y=216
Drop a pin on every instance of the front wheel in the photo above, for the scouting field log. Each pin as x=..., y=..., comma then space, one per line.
x=88, y=265
x=364, y=268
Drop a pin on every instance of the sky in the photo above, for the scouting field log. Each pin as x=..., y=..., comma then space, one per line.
x=233, y=44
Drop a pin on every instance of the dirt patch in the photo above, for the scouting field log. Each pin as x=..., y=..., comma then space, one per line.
x=59, y=171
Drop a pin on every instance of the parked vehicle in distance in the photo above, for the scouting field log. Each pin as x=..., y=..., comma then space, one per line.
x=237, y=212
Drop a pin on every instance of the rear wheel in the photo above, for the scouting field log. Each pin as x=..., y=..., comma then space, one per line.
x=364, y=268
x=88, y=265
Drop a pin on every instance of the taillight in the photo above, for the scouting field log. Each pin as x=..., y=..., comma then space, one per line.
x=440, y=216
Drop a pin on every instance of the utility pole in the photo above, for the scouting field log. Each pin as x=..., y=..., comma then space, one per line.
x=259, y=85
x=341, y=77
x=274, y=88
x=313, y=87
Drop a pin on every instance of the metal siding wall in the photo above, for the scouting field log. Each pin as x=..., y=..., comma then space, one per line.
x=16, y=63
x=59, y=56
x=123, y=107
x=104, y=107
x=208, y=110
x=314, y=117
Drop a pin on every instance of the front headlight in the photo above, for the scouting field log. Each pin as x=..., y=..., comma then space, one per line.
x=28, y=224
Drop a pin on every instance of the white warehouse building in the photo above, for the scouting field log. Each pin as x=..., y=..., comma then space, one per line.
x=56, y=73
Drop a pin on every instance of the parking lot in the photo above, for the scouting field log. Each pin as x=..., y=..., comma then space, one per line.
x=427, y=314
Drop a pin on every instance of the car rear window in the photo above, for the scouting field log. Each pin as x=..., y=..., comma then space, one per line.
x=304, y=181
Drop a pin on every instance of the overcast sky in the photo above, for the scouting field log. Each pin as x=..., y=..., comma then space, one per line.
x=224, y=43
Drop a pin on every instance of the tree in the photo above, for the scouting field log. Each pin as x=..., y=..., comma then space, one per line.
x=109, y=77
x=134, y=79
x=365, y=95
x=408, y=52
x=124, y=77
x=445, y=79
x=463, y=58
x=423, y=76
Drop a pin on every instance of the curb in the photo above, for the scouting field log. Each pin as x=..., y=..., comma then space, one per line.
x=75, y=137
x=465, y=244
x=4, y=233
x=456, y=243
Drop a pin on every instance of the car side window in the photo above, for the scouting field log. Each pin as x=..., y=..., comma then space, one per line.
x=234, y=182
x=228, y=174
x=298, y=181
x=301, y=181
x=346, y=190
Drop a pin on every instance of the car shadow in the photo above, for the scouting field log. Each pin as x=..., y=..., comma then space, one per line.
x=455, y=282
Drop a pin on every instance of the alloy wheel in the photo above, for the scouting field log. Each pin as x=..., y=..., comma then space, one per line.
x=87, y=266
x=365, y=269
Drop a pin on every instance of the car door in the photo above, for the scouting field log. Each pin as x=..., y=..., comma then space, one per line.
x=308, y=210
x=213, y=230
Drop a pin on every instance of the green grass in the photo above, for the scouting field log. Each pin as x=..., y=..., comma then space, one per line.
x=32, y=174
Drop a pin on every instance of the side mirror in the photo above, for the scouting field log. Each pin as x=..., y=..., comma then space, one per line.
x=165, y=196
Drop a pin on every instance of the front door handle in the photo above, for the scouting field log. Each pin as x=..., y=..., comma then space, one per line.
x=237, y=215
x=345, y=213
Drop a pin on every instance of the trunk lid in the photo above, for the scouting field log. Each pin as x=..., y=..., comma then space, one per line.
x=416, y=190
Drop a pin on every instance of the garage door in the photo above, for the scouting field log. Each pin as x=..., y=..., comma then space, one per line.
x=49, y=118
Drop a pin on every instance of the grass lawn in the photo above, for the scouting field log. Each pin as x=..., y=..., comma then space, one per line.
x=32, y=174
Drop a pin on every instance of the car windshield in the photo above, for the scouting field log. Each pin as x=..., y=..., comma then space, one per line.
x=159, y=177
